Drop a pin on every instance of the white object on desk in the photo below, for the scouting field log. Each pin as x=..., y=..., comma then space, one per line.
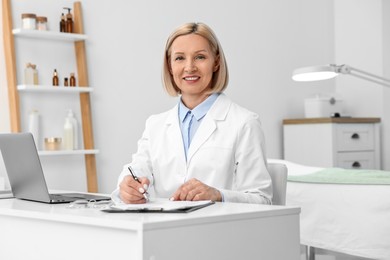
x=220, y=231
x=160, y=205
x=333, y=142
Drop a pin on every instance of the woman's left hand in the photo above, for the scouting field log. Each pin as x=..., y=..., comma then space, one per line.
x=196, y=190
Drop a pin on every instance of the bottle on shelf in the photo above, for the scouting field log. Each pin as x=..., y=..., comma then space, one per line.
x=35, y=74
x=69, y=21
x=72, y=80
x=55, y=78
x=66, y=82
x=33, y=125
x=70, y=131
x=68, y=141
x=62, y=23
x=30, y=74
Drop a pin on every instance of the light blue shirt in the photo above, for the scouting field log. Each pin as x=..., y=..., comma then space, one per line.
x=190, y=120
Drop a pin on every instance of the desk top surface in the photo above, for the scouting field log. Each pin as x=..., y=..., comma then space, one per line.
x=136, y=221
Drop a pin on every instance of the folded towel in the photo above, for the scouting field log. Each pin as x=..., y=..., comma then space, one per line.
x=344, y=176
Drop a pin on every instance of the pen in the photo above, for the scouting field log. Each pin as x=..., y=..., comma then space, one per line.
x=137, y=180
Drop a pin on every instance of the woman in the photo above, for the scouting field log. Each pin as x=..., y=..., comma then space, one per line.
x=206, y=147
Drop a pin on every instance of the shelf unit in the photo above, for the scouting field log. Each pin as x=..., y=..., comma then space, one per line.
x=78, y=38
x=47, y=89
x=49, y=35
x=67, y=152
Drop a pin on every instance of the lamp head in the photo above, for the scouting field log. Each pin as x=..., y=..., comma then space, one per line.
x=315, y=73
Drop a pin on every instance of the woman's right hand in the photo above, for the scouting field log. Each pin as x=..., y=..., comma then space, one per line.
x=131, y=191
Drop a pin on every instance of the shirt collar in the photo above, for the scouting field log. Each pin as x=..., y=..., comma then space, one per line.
x=200, y=110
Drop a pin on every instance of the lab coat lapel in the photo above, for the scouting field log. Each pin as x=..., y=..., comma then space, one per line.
x=174, y=133
x=206, y=128
x=217, y=112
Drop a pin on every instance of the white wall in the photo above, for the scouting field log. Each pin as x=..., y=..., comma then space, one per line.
x=263, y=42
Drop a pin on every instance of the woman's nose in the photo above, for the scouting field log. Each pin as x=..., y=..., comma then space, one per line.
x=190, y=66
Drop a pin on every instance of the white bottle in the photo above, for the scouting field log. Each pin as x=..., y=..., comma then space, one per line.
x=33, y=125
x=70, y=118
x=68, y=138
x=29, y=74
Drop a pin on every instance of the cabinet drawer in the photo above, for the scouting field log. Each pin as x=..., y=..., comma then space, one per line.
x=356, y=160
x=355, y=137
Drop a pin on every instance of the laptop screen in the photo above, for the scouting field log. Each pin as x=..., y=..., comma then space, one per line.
x=23, y=166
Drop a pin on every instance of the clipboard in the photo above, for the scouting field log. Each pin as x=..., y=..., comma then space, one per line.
x=159, y=206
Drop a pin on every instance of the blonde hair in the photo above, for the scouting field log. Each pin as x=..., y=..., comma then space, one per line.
x=221, y=75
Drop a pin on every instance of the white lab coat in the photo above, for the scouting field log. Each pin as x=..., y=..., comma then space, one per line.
x=227, y=152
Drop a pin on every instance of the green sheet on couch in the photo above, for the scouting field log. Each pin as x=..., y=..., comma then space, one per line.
x=344, y=176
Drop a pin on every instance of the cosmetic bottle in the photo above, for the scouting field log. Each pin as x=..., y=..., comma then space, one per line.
x=33, y=125
x=72, y=80
x=66, y=82
x=70, y=131
x=69, y=21
x=35, y=74
x=68, y=134
x=30, y=74
x=55, y=78
x=62, y=23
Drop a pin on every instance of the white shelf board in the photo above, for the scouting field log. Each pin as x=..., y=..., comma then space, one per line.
x=46, y=88
x=50, y=35
x=67, y=152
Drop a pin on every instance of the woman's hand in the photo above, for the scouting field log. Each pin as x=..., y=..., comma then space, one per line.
x=196, y=190
x=131, y=191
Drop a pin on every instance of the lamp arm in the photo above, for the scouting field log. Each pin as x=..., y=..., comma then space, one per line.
x=346, y=69
x=370, y=79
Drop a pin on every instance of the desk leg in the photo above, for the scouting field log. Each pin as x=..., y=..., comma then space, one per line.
x=310, y=253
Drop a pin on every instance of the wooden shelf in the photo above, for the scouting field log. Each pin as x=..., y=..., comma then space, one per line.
x=67, y=152
x=48, y=88
x=78, y=39
x=49, y=35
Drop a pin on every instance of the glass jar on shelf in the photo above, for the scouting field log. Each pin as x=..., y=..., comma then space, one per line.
x=29, y=21
x=41, y=23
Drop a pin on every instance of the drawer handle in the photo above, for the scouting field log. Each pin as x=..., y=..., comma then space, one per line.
x=356, y=165
x=355, y=136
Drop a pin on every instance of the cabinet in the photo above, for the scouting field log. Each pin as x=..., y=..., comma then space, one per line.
x=83, y=90
x=352, y=143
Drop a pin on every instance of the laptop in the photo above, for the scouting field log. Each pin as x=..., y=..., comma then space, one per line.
x=25, y=172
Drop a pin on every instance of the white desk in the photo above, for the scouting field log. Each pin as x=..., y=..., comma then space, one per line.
x=30, y=230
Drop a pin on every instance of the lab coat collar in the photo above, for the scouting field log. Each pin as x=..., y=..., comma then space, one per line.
x=217, y=112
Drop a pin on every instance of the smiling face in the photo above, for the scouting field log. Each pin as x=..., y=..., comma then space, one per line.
x=192, y=65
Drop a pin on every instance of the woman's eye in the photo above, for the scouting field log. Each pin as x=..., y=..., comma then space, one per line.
x=200, y=57
x=179, y=58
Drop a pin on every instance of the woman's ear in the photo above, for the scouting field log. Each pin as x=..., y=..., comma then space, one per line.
x=170, y=67
x=216, y=66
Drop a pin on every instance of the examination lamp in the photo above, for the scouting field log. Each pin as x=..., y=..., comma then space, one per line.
x=323, y=72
